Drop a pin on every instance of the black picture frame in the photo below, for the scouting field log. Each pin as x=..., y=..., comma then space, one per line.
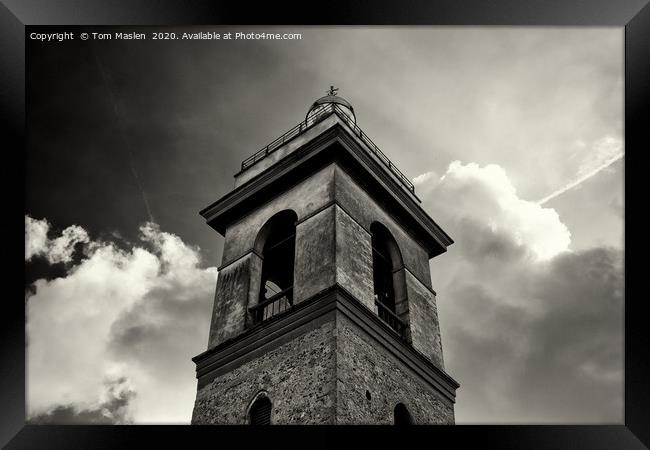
x=634, y=15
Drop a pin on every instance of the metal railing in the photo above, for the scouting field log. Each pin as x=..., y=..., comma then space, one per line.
x=295, y=131
x=391, y=319
x=375, y=150
x=317, y=117
x=283, y=301
x=272, y=306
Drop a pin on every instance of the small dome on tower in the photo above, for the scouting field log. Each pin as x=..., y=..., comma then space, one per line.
x=325, y=103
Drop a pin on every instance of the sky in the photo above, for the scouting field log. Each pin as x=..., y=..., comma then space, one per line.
x=513, y=137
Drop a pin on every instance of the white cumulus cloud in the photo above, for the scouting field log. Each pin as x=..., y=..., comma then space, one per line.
x=486, y=194
x=56, y=250
x=423, y=178
x=72, y=320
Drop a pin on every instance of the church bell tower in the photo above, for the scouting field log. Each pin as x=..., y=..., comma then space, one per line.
x=324, y=311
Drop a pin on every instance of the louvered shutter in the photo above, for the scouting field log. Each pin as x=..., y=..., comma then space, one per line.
x=261, y=412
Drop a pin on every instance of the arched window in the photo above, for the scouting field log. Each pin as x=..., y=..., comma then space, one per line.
x=260, y=411
x=401, y=415
x=276, y=244
x=382, y=269
x=388, y=278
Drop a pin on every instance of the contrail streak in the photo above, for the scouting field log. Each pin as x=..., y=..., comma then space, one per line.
x=585, y=177
x=122, y=128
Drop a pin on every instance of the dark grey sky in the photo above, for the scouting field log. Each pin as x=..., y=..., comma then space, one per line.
x=123, y=132
x=183, y=114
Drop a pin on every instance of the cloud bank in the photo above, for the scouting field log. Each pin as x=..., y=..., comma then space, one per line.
x=111, y=340
x=532, y=330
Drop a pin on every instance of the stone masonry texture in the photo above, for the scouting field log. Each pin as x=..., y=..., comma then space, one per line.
x=315, y=262
x=354, y=258
x=323, y=376
x=298, y=376
x=362, y=366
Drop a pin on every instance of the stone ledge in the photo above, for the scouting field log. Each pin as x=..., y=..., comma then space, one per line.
x=308, y=315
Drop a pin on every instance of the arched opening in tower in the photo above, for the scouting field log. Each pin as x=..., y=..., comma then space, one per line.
x=388, y=279
x=382, y=272
x=401, y=415
x=260, y=412
x=278, y=253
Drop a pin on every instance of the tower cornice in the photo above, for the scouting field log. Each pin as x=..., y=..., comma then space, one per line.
x=313, y=312
x=335, y=143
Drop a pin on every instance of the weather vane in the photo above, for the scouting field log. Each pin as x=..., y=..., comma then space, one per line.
x=332, y=90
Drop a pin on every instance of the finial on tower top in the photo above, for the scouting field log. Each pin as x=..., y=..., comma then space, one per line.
x=327, y=103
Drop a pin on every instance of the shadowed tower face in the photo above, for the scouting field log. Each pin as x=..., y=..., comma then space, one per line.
x=324, y=311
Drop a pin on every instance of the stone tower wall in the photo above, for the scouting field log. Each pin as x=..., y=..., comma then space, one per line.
x=363, y=365
x=299, y=377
